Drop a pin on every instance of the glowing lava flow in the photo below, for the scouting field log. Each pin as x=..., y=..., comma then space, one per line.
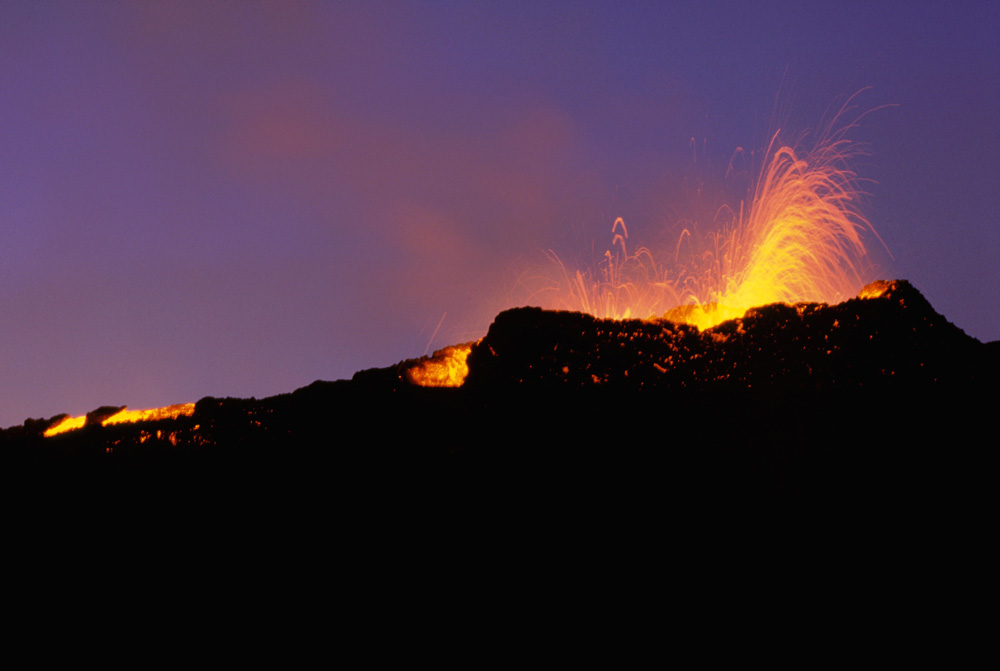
x=446, y=368
x=799, y=241
x=123, y=416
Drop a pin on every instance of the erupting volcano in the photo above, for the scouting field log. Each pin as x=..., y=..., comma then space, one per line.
x=798, y=238
x=748, y=341
x=357, y=321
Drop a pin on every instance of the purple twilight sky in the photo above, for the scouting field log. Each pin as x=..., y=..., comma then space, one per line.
x=238, y=198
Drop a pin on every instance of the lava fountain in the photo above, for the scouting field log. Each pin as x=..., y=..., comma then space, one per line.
x=800, y=240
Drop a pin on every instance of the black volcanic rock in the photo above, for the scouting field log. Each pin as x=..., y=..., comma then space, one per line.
x=884, y=343
x=881, y=397
x=845, y=445
x=837, y=454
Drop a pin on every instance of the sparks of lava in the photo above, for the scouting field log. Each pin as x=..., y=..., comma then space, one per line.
x=123, y=416
x=798, y=241
x=446, y=368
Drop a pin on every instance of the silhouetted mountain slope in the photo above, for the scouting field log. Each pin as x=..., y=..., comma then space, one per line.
x=832, y=462
x=881, y=396
x=886, y=343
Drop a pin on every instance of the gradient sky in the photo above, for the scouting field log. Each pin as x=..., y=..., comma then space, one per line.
x=238, y=198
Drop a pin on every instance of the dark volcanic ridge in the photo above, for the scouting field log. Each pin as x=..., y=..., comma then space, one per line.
x=847, y=446
x=547, y=386
x=888, y=343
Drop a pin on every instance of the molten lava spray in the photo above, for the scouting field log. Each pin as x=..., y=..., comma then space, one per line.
x=798, y=241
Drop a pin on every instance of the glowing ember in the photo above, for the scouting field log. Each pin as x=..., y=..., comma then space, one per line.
x=799, y=241
x=876, y=289
x=66, y=424
x=124, y=416
x=169, y=412
x=447, y=368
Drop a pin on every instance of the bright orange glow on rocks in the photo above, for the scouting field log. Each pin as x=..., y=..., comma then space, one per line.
x=66, y=424
x=876, y=289
x=169, y=412
x=446, y=368
x=123, y=416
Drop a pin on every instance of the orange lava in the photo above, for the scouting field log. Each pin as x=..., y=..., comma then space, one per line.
x=876, y=289
x=124, y=416
x=798, y=240
x=446, y=368
x=66, y=424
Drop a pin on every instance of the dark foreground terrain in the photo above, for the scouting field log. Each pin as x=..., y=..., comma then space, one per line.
x=873, y=407
x=643, y=475
x=874, y=397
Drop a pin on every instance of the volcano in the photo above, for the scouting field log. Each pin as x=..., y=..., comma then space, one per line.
x=879, y=392
x=847, y=446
